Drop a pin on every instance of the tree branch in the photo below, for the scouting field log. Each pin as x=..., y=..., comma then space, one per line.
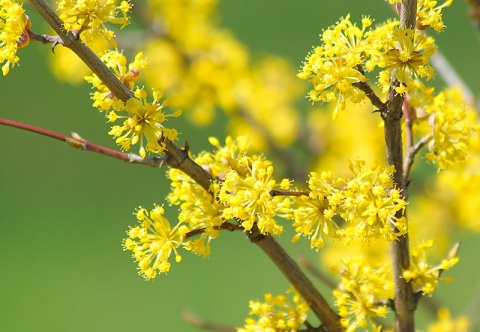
x=79, y=143
x=405, y=302
x=178, y=158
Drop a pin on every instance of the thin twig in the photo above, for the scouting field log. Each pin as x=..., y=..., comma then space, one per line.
x=178, y=158
x=198, y=322
x=411, y=153
x=305, y=262
x=77, y=142
x=225, y=225
x=278, y=192
x=367, y=89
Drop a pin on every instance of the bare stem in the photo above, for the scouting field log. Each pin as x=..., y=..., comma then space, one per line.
x=198, y=322
x=277, y=192
x=306, y=264
x=411, y=153
x=405, y=302
x=226, y=226
x=178, y=158
x=77, y=142
x=367, y=89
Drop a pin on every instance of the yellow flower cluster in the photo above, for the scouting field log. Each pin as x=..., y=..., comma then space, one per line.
x=408, y=61
x=13, y=36
x=430, y=15
x=197, y=208
x=452, y=124
x=89, y=16
x=103, y=98
x=336, y=68
x=246, y=195
x=361, y=208
x=276, y=314
x=362, y=293
x=424, y=276
x=333, y=67
x=446, y=323
x=143, y=119
x=153, y=241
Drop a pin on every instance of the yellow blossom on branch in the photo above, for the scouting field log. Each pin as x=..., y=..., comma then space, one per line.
x=277, y=313
x=452, y=124
x=446, y=323
x=408, y=60
x=430, y=15
x=367, y=204
x=332, y=68
x=143, y=120
x=421, y=274
x=247, y=198
x=13, y=35
x=153, y=241
x=104, y=100
x=197, y=208
x=362, y=293
x=89, y=16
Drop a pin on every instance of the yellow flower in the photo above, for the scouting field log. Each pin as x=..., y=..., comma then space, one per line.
x=153, y=242
x=117, y=62
x=423, y=276
x=246, y=195
x=277, y=313
x=446, y=323
x=13, y=35
x=89, y=17
x=453, y=124
x=367, y=203
x=144, y=120
x=430, y=15
x=332, y=68
x=362, y=293
x=410, y=59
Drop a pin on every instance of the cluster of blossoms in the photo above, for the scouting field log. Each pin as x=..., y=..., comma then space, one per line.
x=141, y=119
x=13, y=34
x=423, y=276
x=277, y=313
x=429, y=14
x=88, y=17
x=452, y=124
x=336, y=68
x=446, y=323
x=246, y=195
x=367, y=204
x=153, y=241
x=362, y=292
x=241, y=192
x=103, y=99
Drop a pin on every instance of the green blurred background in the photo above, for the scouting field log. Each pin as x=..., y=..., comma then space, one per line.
x=64, y=212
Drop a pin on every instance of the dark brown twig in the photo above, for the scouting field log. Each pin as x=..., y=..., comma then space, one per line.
x=367, y=89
